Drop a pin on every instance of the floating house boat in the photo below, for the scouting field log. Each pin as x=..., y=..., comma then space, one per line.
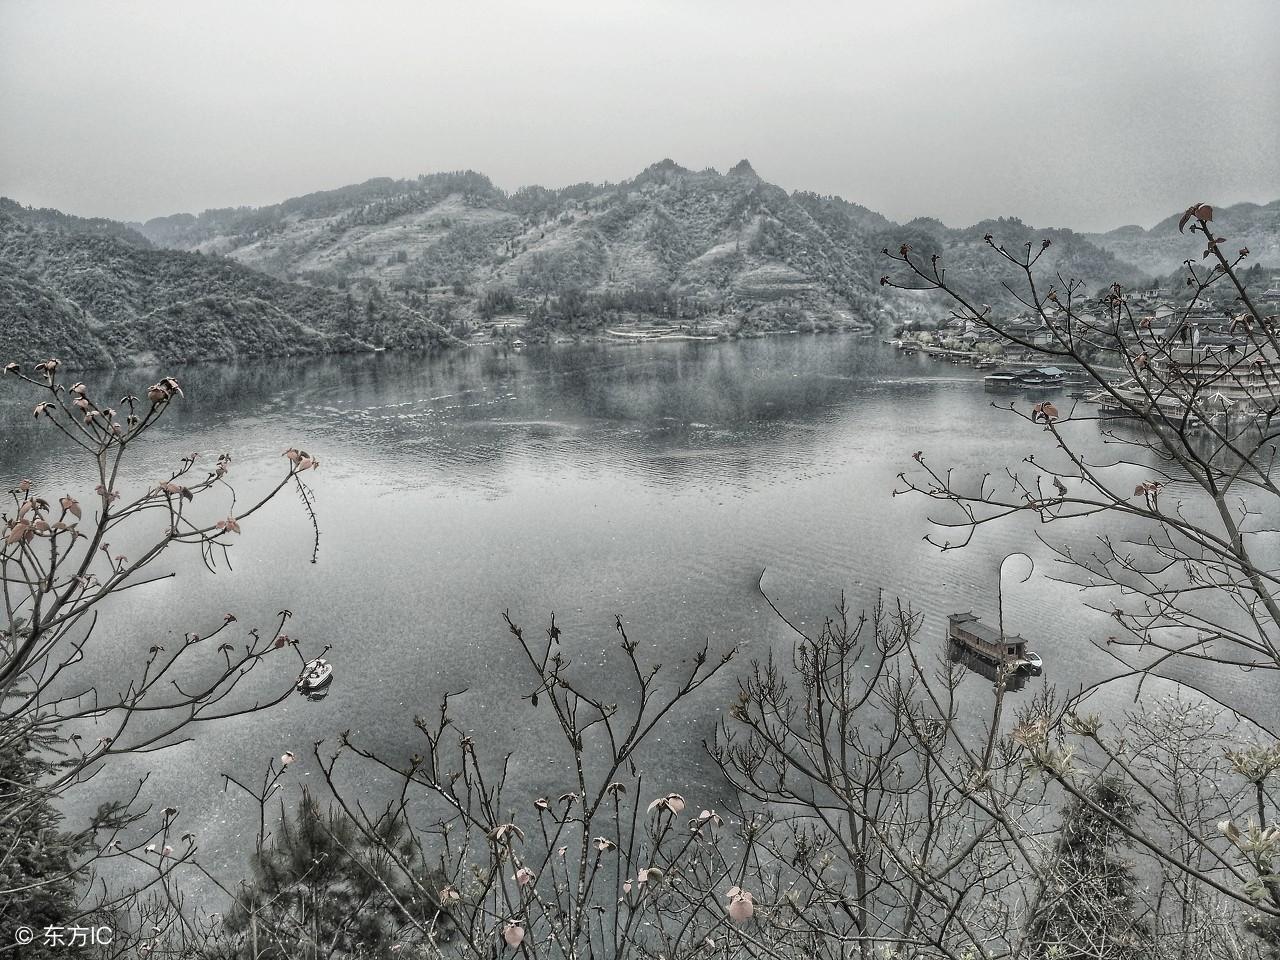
x=1002, y=381
x=1044, y=377
x=1038, y=378
x=974, y=636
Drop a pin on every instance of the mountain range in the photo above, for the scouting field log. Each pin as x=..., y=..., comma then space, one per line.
x=1162, y=249
x=422, y=262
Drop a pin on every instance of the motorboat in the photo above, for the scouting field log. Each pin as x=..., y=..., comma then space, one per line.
x=315, y=674
x=1031, y=660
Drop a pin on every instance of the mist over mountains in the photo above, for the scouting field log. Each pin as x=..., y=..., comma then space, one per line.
x=1162, y=249
x=410, y=264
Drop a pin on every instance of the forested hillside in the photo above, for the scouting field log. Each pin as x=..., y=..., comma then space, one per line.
x=980, y=273
x=96, y=292
x=722, y=243
x=1161, y=250
x=414, y=263
x=671, y=241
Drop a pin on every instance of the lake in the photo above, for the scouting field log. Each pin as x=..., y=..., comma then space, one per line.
x=653, y=482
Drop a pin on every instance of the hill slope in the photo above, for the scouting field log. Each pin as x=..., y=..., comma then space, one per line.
x=98, y=293
x=1162, y=249
x=733, y=240
x=414, y=263
x=692, y=242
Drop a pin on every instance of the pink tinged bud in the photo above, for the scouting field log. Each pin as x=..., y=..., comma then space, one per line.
x=506, y=833
x=524, y=876
x=287, y=758
x=513, y=934
x=741, y=905
x=672, y=802
x=20, y=531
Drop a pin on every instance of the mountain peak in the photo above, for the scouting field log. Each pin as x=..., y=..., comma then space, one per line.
x=665, y=165
x=743, y=168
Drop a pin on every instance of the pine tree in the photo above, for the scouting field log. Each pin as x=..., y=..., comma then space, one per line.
x=321, y=889
x=1088, y=908
x=38, y=860
x=1267, y=930
x=348, y=323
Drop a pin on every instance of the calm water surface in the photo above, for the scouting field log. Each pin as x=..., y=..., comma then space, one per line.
x=653, y=482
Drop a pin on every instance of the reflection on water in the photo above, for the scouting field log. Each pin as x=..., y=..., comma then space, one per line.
x=1012, y=679
x=653, y=483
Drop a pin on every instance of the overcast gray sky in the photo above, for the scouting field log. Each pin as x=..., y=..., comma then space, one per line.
x=1084, y=114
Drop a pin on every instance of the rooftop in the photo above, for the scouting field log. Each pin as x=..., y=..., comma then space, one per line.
x=986, y=634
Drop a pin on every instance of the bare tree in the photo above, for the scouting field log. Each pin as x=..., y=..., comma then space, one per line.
x=58, y=572
x=1192, y=403
x=1170, y=536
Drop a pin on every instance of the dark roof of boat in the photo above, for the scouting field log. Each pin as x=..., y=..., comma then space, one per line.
x=980, y=630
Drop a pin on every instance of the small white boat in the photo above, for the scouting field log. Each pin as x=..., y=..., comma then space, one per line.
x=315, y=675
x=1032, y=661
